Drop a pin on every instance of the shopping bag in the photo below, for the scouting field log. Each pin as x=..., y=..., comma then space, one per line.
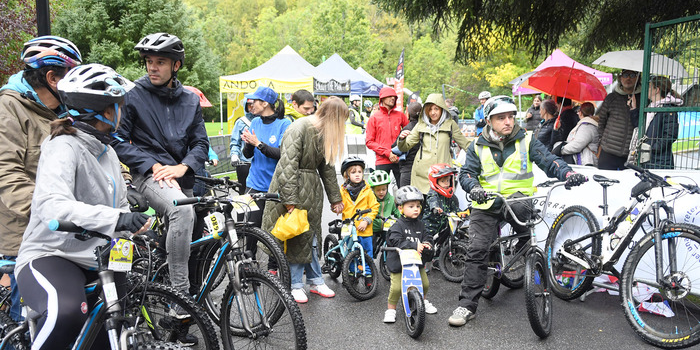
x=291, y=225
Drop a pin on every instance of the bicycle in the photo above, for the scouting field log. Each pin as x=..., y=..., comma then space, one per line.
x=452, y=246
x=411, y=290
x=381, y=243
x=657, y=290
x=133, y=321
x=349, y=258
x=257, y=310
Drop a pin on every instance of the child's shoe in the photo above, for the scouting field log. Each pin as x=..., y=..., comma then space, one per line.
x=390, y=316
x=429, y=308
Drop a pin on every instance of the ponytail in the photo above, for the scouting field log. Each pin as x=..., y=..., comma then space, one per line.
x=279, y=109
x=62, y=126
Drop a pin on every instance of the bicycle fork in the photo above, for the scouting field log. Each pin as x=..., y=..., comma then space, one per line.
x=233, y=268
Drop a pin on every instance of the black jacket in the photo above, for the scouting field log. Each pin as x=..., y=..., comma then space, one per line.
x=547, y=135
x=435, y=223
x=162, y=125
x=405, y=233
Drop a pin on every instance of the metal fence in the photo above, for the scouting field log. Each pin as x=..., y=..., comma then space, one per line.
x=220, y=145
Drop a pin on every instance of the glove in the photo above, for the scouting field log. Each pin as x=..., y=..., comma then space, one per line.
x=131, y=222
x=137, y=202
x=478, y=194
x=574, y=179
x=234, y=160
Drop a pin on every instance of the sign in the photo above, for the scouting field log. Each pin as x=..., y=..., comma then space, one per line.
x=332, y=87
x=398, y=86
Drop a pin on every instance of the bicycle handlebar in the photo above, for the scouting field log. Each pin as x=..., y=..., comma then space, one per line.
x=506, y=202
x=210, y=199
x=647, y=175
x=65, y=226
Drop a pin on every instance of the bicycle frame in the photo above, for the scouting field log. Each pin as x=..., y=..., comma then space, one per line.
x=348, y=243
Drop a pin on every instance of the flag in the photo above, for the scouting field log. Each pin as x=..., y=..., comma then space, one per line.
x=398, y=83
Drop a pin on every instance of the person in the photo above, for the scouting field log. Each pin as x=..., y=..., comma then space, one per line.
x=440, y=199
x=662, y=127
x=302, y=105
x=479, y=112
x=163, y=141
x=614, y=125
x=567, y=119
x=406, y=158
x=311, y=146
x=28, y=103
x=407, y=232
x=434, y=134
x=240, y=162
x=382, y=129
x=499, y=161
x=355, y=124
x=532, y=116
x=75, y=182
x=582, y=144
x=545, y=133
x=452, y=109
x=368, y=109
x=379, y=181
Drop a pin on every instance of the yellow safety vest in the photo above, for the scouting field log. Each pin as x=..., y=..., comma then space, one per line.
x=515, y=175
x=351, y=128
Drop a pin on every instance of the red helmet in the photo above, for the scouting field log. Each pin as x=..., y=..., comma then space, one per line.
x=439, y=171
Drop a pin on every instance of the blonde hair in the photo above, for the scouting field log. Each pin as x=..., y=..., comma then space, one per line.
x=331, y=123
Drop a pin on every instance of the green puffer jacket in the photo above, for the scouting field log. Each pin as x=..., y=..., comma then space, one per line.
x=298, y=176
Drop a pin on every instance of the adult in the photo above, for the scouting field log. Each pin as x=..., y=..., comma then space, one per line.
x=355, y=124
x=311, y=147
x=479, y=112
x=452, y=109
x=28, y=103
x=582, y=144
x=163, y=141
x=406, y=160
x=614, y=125
x=568, y=118
x=532, y=116
x=239, y=161
x=499, y=161
x=75, y=182
x=383, y=127
x=433, y=134
x=368, y=109
x=302, y=104
x=545, y=133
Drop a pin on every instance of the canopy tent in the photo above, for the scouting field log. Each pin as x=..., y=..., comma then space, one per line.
x=557, y=59
x=336, y=68
x=374, y=84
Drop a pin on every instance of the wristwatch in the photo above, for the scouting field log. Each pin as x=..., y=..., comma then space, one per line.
x=185, y=164
x=260, y=146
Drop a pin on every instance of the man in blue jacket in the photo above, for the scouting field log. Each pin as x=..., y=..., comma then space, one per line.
x=164, y=142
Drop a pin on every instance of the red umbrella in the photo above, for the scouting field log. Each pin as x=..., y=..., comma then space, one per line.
x=567, y=82
x=202, y=99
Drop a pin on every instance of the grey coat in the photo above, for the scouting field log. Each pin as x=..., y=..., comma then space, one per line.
x=298, y=177
x=614, y=126
x=583, y=142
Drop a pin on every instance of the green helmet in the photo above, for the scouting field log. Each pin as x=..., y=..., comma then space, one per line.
x=379, y=177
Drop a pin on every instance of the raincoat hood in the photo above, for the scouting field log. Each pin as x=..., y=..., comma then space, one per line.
x=439, y=101
x=19, y=84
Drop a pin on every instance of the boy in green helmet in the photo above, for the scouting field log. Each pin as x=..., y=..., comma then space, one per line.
x=379, y=181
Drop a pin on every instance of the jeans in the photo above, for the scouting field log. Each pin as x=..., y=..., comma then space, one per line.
x=16, y=308
x=366, y=243
x=313, y=270
x=180, y=221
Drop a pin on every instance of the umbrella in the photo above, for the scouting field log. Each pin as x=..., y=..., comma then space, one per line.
x=572, y=83
x=634, y=59
x=203, y=101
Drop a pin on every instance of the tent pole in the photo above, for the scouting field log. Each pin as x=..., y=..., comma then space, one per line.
x=221, y=113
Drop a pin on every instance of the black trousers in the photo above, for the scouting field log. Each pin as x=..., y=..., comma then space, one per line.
x=608, y=161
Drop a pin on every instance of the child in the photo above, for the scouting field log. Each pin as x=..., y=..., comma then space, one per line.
x=440, y=198
x=407, y=233
x=358, y=195
x=379, y=181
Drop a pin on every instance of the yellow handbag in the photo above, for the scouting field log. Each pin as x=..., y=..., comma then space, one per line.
x=291, y=225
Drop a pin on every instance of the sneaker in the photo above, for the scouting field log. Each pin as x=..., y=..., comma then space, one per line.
x=322, y=290
x=299, y=295
x=178, y=312
x=429, y=308
x=390, y=316
x=460, y=317
x=188, y=340
x=436, y=265
x=273, y=272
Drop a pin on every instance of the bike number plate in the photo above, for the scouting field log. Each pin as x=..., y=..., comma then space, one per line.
x=121, y=255
x=346, y=230
x=388, y=224
x=215, y=222
x=243, y=204
x=410, y=257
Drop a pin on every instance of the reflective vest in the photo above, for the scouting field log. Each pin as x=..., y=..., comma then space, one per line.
x=514, y=176
x=351, y=128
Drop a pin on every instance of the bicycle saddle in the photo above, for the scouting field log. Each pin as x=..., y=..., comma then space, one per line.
x=604, y=181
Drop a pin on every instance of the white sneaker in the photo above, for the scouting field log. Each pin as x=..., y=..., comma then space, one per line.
x=322, y=290
x=299, y=295
x=429, y=308
x=390, y=316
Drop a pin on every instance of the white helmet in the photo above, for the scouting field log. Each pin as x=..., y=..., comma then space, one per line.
x=354, y=98
x=499, y=104
x=484, y=95
x=93, y=86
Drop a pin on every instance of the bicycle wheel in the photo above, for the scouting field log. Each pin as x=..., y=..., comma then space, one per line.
x=271, y=257
x=383, y=269
x=569, y=280
x=452, y=261
x=492, y=281
x=333, y=261
x=416, y=322
x=159, y=345
x=664, y=315
x=514, y=278
x=18, y=341
x=359, y=282
x=158, y=319
x=274, y=318
x=538, y=300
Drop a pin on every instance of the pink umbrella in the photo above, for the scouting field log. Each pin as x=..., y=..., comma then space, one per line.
x=203, y=101
x=572, y=83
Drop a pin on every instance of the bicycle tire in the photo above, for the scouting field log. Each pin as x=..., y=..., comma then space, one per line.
x=159, y=345
x=452, y=260
x=415, y=324
x=677, y=328
x=538, y=300
x=160, y=325
x=7, y=324
x=383, y=268
x=260, y=290
x=360, y=284
x=334, y=261
x=572, y=223
x=493, y=283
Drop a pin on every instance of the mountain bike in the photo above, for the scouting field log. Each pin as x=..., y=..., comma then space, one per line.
x=658, y=289
x=452, y=246
x=412, y=300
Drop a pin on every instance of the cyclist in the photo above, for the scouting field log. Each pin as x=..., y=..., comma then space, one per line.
x=499, y=161
x=368, y=109
x=355, y=124
x=440, y=199
x=379, y=182
x=479, y=112
x=78, y=180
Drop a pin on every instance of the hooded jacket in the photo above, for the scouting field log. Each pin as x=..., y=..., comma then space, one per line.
x=383, y=127
x=162, y=125
x=661, y=132
x=365, y=200
x=614, y=126
x=583, y=142
x=24, y=124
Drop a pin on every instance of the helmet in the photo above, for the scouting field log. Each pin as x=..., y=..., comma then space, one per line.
x=350, y=161
x=407, y=194
x=355, y=98
x=50, y=50
x=162, y=44
x=387, y=92
x=368, y=104
x=379, y=177
x=93, y=87
x=438, y=171
x=499, y=104
x=484, y=95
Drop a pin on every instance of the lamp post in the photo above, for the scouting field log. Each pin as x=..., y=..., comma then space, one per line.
x=43, y=20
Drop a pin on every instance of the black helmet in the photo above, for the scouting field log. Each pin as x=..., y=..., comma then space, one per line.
x=350, y=161
x=162, y=44
x=407, y=194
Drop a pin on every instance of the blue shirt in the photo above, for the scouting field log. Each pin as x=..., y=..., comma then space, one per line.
x=261, y=167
